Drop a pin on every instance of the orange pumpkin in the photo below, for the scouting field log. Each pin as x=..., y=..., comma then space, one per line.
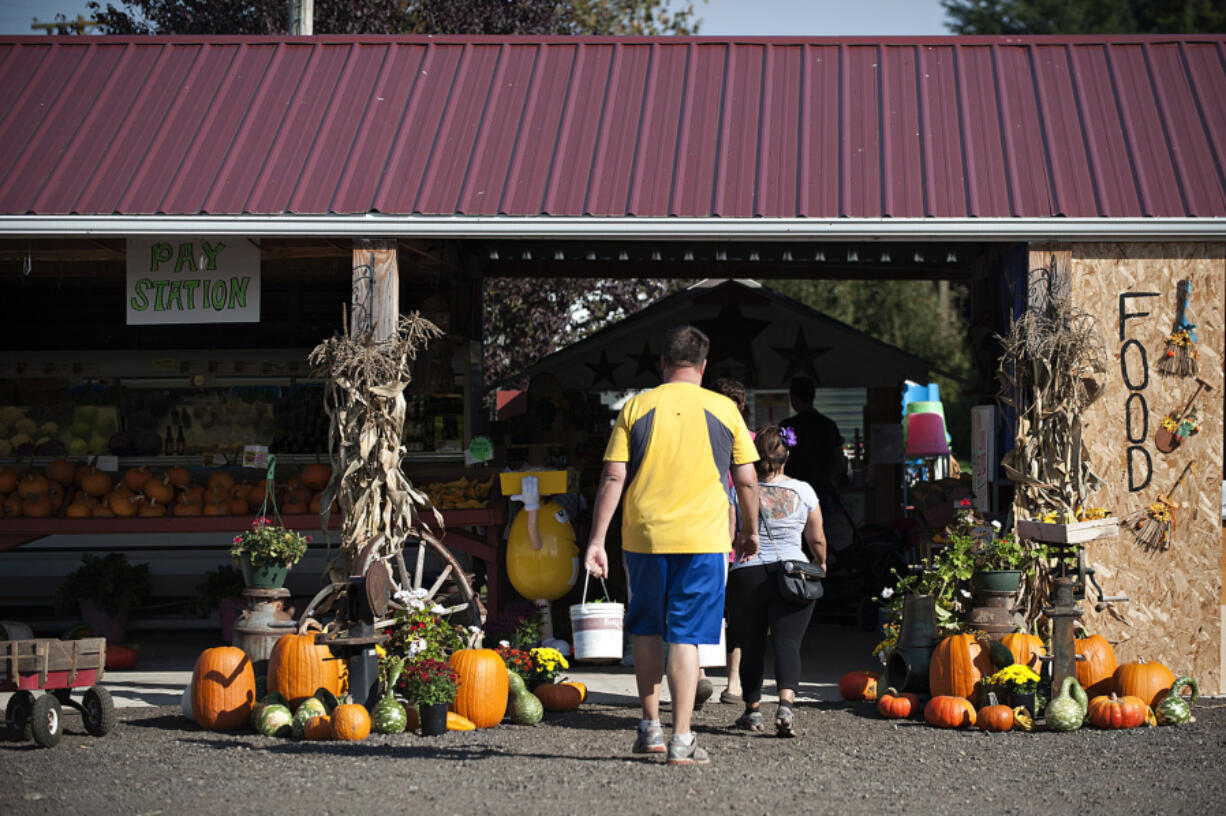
x=1144, y=680
x=55, y=495
x=223, y=689
x=134, y=479
x=298, y=667
x=1114, y=712
x=151, y=509
x=859, y=685
x=237, y=506
x=994, y=716
x=36, y=507
x=221, y=479
x=96, y=483
x=257, y=493
x=102, y=511
x=350, y=722
x=895, y=706
x=948, y=711
x=582, y=687
x=185, y=507
x=214, y=509
x=1096, y=673
x=481, y=693
x=62, y=472
x=33, y=485
x=1026, y=649
x=8, y=480
x=12, y=506
x=956, y=666
x=160, y=490
x=318, y=728
x=558, y=696
x=79, y=509
x=178, y=476
x=295, y=501
x=315, y=476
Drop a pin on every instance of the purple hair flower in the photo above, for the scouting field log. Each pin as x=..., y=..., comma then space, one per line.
x=788, y=436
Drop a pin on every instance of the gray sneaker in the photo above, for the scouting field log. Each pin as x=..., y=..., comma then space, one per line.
x=650, y=741
x=681, y=754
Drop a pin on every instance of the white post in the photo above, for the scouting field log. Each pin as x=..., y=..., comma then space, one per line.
x=301, y=17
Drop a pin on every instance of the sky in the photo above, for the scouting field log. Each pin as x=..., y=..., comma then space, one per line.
x=720, y=17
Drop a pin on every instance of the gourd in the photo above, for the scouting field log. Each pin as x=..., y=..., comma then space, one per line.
x=310, y=707
x=1000, y=654
x=327, y=698
x=1172, y=708
x=956, y=666
x=994, y=716
x=388, y=716
x=481, y=692
x=223, y=689
x=558, y=696
x=949, y=711
x=1025, y=648
x=1095, y=673
x=298, y=667
x=1065, y=712
x=1022, y=720
x=350, y=722
x=580, y=686
x=859, y=685
x=895, y=706
x=1115, y=712
x=1143, y=679
x=458, y=722
x=273, y=720
x=526, y=707
x=266, y=700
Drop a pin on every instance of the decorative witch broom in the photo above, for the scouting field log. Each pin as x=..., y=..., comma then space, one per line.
x=1154, y=526
x=1181, y=354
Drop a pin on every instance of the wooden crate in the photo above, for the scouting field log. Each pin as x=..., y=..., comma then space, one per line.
x=1075, y=533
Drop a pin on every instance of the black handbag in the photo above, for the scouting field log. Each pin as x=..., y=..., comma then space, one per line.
x=799, y=581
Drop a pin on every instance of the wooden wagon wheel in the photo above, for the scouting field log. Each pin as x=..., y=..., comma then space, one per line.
x=391, y=585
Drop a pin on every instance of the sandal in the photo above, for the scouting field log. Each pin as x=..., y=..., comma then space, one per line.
x=730, y=699
x=784, y=725
x=751, y=720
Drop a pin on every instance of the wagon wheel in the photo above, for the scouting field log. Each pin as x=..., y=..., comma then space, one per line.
x=17, y=712
x=46, y=721
x=98, y=711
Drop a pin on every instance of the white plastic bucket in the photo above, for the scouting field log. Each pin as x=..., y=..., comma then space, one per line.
x=597, y=628
x=714, y=655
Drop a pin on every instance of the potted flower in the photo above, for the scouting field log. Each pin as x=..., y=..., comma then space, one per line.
x=222, y=590
x=1017, y=682
x=430, y=685
x=104, y=589
x=518, y=661
x=420, y=632
x=266, y=552
x=547, y=664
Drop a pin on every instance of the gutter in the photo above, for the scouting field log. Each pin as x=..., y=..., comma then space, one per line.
x=628, y=228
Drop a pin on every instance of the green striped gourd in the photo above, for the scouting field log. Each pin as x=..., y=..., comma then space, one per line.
x=526, y=707
x=1065, y=712
x=1173, y=709
x=389, y=716
x=310, y=707
x=274, y=720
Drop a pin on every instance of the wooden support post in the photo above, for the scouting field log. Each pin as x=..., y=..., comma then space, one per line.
x=376, y=288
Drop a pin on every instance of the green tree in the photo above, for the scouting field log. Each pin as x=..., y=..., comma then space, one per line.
x=1084, y=16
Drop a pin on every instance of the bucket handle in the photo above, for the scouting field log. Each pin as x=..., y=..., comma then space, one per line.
x=587, y=577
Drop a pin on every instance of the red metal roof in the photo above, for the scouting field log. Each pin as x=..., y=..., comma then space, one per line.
x=740, y=128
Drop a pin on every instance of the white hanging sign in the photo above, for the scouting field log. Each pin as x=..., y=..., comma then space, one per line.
x=192, y=280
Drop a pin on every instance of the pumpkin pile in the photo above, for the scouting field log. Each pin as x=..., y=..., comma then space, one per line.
x=65, y=490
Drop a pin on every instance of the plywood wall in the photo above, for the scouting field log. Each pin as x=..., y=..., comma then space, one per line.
x=1175, y=611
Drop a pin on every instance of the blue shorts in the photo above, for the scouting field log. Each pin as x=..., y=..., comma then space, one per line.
x=679, y=597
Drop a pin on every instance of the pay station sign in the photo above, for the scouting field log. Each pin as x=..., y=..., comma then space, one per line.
x=192, y=280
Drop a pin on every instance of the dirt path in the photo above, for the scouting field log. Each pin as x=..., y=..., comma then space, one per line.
x=846, y=760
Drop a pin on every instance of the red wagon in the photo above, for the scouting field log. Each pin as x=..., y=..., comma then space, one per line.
x=54, y=667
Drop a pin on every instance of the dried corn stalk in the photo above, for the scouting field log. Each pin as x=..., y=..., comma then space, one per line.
x=364, y=399
x=1049, y=375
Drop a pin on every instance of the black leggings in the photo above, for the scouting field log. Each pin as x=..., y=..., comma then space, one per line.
x=755, y=606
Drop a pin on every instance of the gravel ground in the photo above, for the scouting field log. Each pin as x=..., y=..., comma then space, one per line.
x=845, y=760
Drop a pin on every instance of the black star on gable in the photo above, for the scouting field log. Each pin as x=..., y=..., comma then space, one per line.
x=603, y=369
x=800, y=358
x=731, y=336
x=646, y=361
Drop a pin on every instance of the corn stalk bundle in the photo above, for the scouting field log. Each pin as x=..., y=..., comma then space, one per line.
x=1049, y=375
x=364, y=400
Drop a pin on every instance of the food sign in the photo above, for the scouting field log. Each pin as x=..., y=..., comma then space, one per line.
x=192, y=280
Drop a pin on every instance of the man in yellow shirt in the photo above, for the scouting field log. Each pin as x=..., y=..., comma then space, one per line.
x=670, y=452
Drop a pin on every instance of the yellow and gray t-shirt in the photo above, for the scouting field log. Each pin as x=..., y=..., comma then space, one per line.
x=678, y=441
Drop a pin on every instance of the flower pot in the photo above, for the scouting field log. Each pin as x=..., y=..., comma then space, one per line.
x=230, y=609
x=102, y=623
x=264, y=576
x=996, y=580
x=433, y=718
x=1022, y=698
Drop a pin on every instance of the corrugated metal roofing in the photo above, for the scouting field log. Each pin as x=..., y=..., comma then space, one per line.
x=938, y=127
